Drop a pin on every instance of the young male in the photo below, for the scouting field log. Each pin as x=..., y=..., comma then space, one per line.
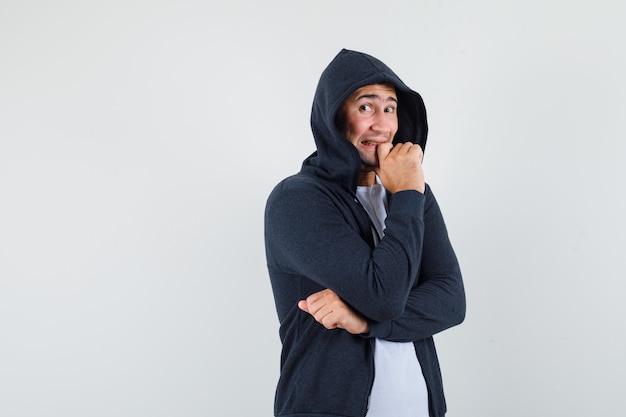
x=362, y=270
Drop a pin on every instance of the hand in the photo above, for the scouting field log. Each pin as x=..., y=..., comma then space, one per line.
x=400, y=167
x=330, y=311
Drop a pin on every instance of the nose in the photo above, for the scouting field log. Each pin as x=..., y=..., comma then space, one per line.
x=381, y=122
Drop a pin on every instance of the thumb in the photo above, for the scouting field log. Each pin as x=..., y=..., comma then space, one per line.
x=303, y=305
x=383, y=150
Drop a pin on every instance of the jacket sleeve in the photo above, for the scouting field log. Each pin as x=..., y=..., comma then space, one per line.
x=437, y=301
x=310, y=233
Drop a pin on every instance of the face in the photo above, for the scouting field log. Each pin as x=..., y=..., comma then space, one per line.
x=368, y=118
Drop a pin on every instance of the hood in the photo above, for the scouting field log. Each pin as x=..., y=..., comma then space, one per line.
x=336, y=159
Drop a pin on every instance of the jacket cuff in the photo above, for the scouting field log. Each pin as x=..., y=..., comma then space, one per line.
x=379, y=330
x=407, y=200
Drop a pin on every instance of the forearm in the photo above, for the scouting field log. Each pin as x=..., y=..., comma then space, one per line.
x=437, y=302
x=431, y=308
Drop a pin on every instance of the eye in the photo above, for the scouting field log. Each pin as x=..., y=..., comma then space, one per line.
x=390, y=109
x=365, y=107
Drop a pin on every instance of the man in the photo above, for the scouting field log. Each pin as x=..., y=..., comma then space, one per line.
x=361, y=266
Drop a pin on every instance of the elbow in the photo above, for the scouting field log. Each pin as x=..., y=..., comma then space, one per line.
x=459, y=310
x=460, y=316
x=456, y=302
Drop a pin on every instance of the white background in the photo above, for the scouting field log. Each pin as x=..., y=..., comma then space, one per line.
x=140, y=139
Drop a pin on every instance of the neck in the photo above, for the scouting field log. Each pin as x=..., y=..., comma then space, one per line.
x=367, y=176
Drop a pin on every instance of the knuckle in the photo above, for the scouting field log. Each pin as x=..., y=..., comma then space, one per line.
x=329, y=324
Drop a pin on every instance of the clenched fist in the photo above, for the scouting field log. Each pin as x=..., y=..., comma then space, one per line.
x=332, y=312
x=400, y=167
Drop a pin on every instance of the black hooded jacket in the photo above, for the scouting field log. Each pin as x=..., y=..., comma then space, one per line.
x=318, y=236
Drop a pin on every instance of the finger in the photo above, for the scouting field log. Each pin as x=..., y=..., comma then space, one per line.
x=303, y=305
x=315, y=305
x=317, y=295
x=323, y=303
x=324, y=307
x=404, y=147
x=416, y=147
x=315, y=300
x=329, y=321
x=327, y=316
x=418, y=151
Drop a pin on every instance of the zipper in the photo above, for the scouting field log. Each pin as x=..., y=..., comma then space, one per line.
x=369, y=390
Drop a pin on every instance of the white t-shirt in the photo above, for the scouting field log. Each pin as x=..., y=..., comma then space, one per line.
x=399, y=388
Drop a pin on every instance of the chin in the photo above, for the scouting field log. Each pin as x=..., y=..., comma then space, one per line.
x=369, y=163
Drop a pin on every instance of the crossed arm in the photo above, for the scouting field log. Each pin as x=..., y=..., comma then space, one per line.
x=433, y=306
x=436, y=303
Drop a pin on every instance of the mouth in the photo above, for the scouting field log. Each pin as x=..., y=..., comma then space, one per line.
x=371, y=142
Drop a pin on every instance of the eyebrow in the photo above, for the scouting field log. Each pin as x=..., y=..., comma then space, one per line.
x=376, y=96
